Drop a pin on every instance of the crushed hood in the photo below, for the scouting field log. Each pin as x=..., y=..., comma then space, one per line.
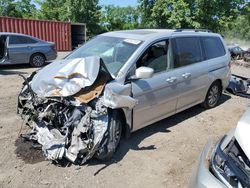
x=66, y=77
x=242, y=133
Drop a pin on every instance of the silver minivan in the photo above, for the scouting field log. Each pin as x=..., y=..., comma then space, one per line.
x=150, y=75
x=18, y=48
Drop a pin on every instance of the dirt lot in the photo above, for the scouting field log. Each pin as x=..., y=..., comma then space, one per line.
x=161, y=155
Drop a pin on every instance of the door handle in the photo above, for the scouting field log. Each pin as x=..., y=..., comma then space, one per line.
x=186, y=75
x=171, y=79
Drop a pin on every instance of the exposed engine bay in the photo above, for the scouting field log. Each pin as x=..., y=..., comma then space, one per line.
x=68, y=106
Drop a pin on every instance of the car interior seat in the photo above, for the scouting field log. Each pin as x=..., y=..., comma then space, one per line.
x=158, y=60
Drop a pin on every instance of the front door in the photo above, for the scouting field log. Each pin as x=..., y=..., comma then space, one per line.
x=157, y=96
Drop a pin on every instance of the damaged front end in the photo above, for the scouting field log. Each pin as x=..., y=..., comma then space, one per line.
x=239, y=85
x=67, y=111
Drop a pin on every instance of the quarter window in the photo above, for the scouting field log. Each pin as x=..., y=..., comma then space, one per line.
x=30, y=40
x=213, y=47
x=187, y=50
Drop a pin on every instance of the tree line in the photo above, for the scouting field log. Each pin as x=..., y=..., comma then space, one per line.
x=229, y=17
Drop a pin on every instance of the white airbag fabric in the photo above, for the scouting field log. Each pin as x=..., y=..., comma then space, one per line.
x=66, y=77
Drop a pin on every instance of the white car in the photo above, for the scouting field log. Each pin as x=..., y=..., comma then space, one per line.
x=228, y=165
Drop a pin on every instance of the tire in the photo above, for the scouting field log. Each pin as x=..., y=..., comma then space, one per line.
x=213, y=95
x=112, y=137
x=37, y=60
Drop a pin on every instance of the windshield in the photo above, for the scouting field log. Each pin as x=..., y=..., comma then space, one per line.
x=113, y=51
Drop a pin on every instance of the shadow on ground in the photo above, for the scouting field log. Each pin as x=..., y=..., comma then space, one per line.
x=162, y=126
x=14, y=69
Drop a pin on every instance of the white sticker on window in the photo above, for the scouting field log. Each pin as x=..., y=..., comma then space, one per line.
x=132, y=41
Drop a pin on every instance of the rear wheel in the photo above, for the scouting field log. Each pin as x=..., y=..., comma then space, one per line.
x=37, y=60
x=213, y=95
x=112, y=138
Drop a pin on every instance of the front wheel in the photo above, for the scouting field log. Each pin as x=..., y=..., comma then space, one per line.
x=111, y=138
x=213, y=95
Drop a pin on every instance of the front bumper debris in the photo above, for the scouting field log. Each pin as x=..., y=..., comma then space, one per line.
x=239, y=85
x=201, y=176
x=64, y=127
x=67, y=105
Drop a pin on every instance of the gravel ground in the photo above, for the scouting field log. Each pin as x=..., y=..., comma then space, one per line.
x=160, y=155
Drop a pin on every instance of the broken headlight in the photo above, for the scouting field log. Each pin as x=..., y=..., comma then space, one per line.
x=231, y=165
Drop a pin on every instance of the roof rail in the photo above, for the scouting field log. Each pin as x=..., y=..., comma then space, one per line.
x=195, y=30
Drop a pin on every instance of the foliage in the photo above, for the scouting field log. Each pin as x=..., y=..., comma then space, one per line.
x=240, y=28
x=230, y=17
x=172, y=14
x=217, y=14
x=17, y=8
x=52, y=10
x=146, y=8
x=119, y=18
x=209, y=14
x=84, y=11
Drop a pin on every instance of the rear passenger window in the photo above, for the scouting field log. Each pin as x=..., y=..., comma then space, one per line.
x=15, y=40
x=213, y=47
x=187, y=50
x=21, y=40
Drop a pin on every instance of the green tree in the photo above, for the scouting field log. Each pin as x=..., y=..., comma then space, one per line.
x=145, y=8
x=119, y=18
x=8, y=8
x=85, y=11
x=211, y=14
x=52, y=10
x=240, y=27
x=19, y=9
x=172, y=14
x=216, y=14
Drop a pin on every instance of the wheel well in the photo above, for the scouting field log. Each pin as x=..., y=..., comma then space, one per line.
x=218, y=81
x=125, y=128
x=39, y=54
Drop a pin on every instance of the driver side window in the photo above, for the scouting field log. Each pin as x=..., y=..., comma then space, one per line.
x=157, y=56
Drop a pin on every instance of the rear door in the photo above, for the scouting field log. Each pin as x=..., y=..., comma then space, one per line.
x=18, y=49
x=193, y=71
x=157, y=96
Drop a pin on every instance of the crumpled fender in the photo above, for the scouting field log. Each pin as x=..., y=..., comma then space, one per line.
x=117, y=95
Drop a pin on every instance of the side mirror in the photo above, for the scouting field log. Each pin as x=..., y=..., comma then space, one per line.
x=144, y=72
